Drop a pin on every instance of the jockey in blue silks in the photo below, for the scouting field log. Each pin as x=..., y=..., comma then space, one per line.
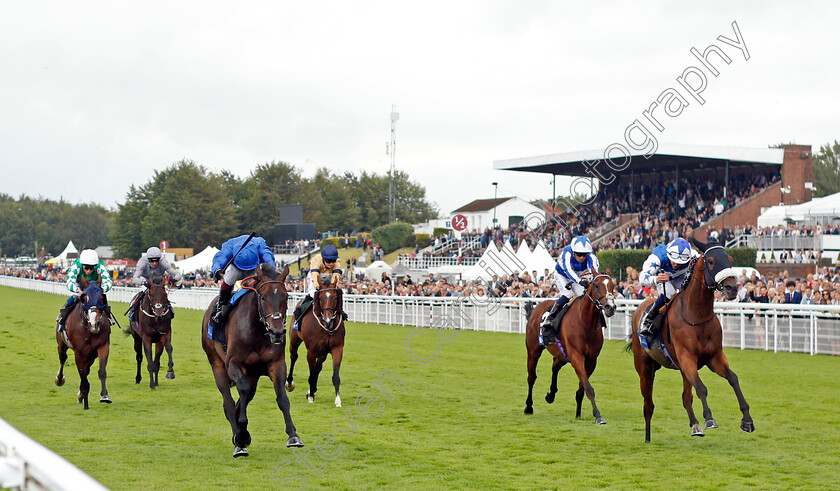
x=665, y=268
x=575, y=259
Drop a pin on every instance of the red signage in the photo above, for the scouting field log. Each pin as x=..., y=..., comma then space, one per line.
x=459, y=222
x=163, y=245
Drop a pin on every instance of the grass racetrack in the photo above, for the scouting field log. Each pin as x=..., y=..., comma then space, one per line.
x=457, y=424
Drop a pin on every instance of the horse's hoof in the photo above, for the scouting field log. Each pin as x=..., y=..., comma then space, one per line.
x=290, y=386
x=337, y=401
x=79, y=397
x=310, y=397
x=170, y=375
x=696, y=430
x=600, y=421
x=549, y=397
x=137, y=380
x=294, y=442
x=105, y=399
x=747, y=426
x=710, y=423
x=59, y=381
x=529, y=410
x=240, y=452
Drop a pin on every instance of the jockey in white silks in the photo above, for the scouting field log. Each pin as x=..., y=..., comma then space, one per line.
x=575, y=259
x=665, y=268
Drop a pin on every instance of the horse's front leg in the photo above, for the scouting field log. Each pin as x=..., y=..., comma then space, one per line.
x=84, y=385
x=579, y=364
x=62, y=358
x=315, y=364
x=158, y=354
x=170, y=374
x=533, y=359
x=138, y=355
x=277, y=374
x=246, y=387
x=720, y=366
x=692, y=379
x=223, y=384
x=102, y=353
x=336, y=354
x=294, y=343
x=147, y=349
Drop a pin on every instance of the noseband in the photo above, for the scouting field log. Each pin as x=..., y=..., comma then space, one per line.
x=338, y=312
x=148, y=300
x=264, y=318
x=597, y=303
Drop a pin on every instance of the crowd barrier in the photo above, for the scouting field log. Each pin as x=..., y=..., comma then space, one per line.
x=812, y=329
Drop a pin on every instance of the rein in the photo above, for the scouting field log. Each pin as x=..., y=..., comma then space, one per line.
x=148, y=300
x=338, y=313
x=703, y=282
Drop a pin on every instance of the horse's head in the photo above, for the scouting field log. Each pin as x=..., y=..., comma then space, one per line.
x=93, y=313
x=328, y=304
x=158, y=298
x=272, y=298
x=718, y=272
x=600, y=292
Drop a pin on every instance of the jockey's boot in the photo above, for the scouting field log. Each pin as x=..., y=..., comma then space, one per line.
x=64, y=312
x=300, y=310
x=223, y=308
x=547, y=326
x=646, y=327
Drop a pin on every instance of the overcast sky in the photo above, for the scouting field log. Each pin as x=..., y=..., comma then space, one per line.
x=96, y=96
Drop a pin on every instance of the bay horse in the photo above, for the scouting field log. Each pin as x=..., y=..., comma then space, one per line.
x=87, y=331
x=255, y=333
x=322, y=331
x=581, y=339
x=692, y=335
x=153, y=327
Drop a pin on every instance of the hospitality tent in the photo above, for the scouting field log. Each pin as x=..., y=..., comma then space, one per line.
x=202, y=260
x=63, y=258
x=819, y=211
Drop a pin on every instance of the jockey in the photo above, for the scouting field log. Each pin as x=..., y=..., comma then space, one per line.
x=245, y=264
x=150, y=265
x=574, y=259
x=665, y=268
x=326, y=263
x=91, y=268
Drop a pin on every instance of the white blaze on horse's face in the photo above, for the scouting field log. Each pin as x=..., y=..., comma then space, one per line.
x=91, y=317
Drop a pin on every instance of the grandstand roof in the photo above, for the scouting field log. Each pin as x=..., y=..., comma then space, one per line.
x=667, y=158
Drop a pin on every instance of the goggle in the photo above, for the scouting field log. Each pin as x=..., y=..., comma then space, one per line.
x=88, y=266
x=329, y=260
x=154, y=260
x=581, y=254
x=680, y=256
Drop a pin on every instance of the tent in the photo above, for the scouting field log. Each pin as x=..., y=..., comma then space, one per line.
x=202, y=260
x=541, y=259
x=479, y=269
x=376, y=268
x=63, y=257
x=825, y=210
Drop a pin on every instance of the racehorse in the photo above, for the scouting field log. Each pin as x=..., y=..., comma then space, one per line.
x=580, y=337
x=87, y=331
x=153, y=326
x=255, y=333
x=692, y=336
x=322, y=331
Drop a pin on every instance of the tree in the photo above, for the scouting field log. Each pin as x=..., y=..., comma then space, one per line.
x=370, y=192
x=340, y=211
x=827, y=169
x=269, y=186
x=184, y=204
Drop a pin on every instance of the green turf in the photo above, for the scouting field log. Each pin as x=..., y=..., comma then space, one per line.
x=458, y=424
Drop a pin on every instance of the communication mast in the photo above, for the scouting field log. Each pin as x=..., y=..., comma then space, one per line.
x=392, y=209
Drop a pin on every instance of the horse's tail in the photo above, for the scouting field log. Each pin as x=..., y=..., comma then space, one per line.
x=628, y=347
x=128, y=331
x=529, y=308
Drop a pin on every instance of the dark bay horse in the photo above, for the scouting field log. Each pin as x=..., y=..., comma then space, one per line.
x=692, y=335
x=88, y=334
x=255, y=333
x=153, y=326
x=322, y=331
x=581, y=337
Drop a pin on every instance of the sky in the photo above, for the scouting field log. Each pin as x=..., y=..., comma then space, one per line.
x=96, y=96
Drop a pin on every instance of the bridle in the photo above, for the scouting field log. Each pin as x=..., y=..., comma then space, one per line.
x=250, y=283
x=148, y=300
x=717, y=281
x=338, y=312
x=597, y=303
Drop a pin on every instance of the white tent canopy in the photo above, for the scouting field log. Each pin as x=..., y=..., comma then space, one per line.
x=817, y=211
x=202, y=260
x=70, y=249
x=489, y=263
x=541, y=260
x=376, y=268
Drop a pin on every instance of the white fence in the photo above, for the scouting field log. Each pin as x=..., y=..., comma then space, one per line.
x=26, y=464
x=813, y=329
